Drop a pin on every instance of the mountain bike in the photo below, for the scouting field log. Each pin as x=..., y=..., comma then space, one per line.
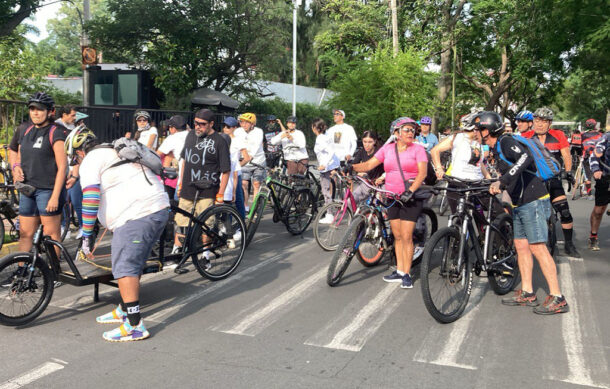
x=8, y=213
x=7, y=189
x=293, y=205
x=369, y=237
x=448, y=263
x=27, y=279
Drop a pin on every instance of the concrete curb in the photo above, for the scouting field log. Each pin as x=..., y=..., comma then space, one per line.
x=9, y=248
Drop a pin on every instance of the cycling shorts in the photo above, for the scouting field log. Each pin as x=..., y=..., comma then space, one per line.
x=602, y=193
x=555, y=188
x=409, y=212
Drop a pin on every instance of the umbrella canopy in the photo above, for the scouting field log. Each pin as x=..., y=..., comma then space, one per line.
x=207, y=96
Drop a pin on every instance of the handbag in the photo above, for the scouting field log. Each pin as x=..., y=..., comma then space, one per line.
x=419, y=194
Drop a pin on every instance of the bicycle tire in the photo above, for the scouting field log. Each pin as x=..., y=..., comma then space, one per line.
x=371, y=249
x=504, y=282
x=300, y=211
x=1, y=232
x=221, y=265
x=576, y=190
x=253, y=222
x=15, y=291
x=345, y=252
x=66, y=213
x=447, y=277
x=329, y=239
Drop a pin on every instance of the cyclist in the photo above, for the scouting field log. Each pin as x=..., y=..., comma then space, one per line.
x=576, y=143
x=171, y=148
x=41, y=164
x=403, y=215
x=445, y=134
x=600, y=165
x=328, y=162
x=532, y=210
x=293, y=144
x=145, y=132
x=426, y=138
x=524, y=120
x=135, y=207
x=273, y=129
x=589, y=140
x=344, y=136
x=557, y=143
x=67, y=116
x=254, y=145
x=370, y=145
x=239, y=157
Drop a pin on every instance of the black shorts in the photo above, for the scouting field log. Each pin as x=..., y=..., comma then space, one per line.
x=602, y=195
x=555, y=188
x=409, y=212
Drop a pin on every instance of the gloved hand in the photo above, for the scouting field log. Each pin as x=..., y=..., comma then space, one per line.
x=570, y=177
x=349, y=168
x=406, y=196
x=86, y=245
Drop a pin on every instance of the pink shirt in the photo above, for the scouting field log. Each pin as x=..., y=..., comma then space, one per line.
x=409, y=159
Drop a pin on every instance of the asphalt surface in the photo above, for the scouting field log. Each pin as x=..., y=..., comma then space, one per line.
x=275, y=323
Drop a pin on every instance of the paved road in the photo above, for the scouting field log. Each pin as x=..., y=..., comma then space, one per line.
x=275, y=323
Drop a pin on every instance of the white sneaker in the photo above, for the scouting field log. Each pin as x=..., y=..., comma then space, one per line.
x=67, y=234
x=207, y=255
x=80, y=233
x=327, y=219
x=247, y=209
x=237, y=235
x=176, y=249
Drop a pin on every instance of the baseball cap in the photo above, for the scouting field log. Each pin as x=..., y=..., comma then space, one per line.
x=271, y=118
x=340, y=111
x=230, y=121
x=177, y=121
x=205, y=114
x=291, y=119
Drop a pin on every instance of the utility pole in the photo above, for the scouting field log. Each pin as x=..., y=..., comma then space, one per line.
x=84, y=42
x=394, y=27
x=294, y=56
x=453, y=87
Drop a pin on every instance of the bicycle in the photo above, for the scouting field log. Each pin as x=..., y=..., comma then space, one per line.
x=292, y=204
x=447, y=266
x=27, y=279
x=8, y=190
x=68, y=218
x=9, y=213
x=369, y=236
x=579, y=189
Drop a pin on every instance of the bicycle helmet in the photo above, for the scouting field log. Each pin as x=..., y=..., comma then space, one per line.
x=525, y=116
x=248, y=117
x=425, y=120
x=544, y=113
x=140, y=114
x=79, y=138
x=41, y=100
x=467, y=122
x=491, y=121
x=400, y=122
x=590, y=124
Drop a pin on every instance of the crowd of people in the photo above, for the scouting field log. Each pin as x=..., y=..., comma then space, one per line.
x=53, y=159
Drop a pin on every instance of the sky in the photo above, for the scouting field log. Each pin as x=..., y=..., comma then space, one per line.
x=40, y=18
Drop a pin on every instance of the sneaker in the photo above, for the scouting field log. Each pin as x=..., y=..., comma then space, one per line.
x=552, y=305
x=570, y=249
x=407, y=282
x=327, y=219
x=80, y=233
x=521, y=298
x=176, y=249
x=206, y=256
x=394, y=277
x=67, y=234
x=127, y=333
x=247, y=209
x=237, y=235
x=115, y=316
x=593, y=244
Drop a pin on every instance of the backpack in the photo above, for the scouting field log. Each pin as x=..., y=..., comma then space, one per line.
x=132, y=151
x=546, y=166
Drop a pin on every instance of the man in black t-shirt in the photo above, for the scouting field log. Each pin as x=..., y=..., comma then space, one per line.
x=205, y=167
x=530, y=215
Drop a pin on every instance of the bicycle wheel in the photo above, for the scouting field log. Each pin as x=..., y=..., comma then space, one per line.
x=299, y=212
x=253, y=221
x=20, y=302
x=445, y=286
x=345, y=251
x=371, y=249
x=502, y=281
x=328, y=235
x=66, y=215
x=218, y=250
x=1, y=232
x=578, y=178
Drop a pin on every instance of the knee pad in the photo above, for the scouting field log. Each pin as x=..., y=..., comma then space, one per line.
x=563, y=210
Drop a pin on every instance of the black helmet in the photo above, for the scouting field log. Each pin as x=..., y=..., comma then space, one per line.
x=41, y=100
x=490, y=121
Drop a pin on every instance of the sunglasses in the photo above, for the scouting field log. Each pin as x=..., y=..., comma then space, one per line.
x=201, y=124
x=406, y=129
x=337, y=113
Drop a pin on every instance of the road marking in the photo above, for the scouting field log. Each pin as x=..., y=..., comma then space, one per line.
x=560, y=258
x=33, y=375
x=255, y=322
x=573, y=334
x=449, y=355
x=364, y=324
x=160, y=316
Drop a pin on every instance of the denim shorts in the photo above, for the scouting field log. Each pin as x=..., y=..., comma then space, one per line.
x=253, y=173
x=530, y=221
x=133, y=241
x=37, y=203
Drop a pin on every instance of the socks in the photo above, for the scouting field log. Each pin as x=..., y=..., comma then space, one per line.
x=567, y=234
x=400, y=273
x=123, y=307
x=593, y=235
x=133, y=313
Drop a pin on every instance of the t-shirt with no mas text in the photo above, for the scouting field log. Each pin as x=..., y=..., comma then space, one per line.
x=205, y=158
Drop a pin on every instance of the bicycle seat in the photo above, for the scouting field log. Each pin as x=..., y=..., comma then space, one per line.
x=203, y=184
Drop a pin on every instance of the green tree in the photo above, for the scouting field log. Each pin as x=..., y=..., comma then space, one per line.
x=13, y=12
x=375, y=91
